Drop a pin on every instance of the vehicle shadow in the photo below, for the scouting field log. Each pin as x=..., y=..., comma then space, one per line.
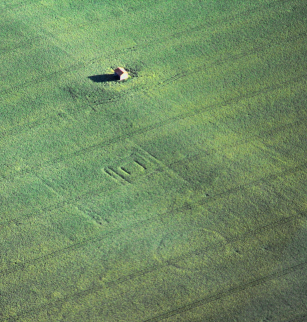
x=104, y=78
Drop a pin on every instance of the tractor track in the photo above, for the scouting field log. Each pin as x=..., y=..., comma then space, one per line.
x=157, y=217
x=170, y=262
x=227, y=292
x=145, y=43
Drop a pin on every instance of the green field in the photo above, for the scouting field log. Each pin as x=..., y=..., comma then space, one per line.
x=179, y=194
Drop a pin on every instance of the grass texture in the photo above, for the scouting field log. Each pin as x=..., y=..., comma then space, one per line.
x=177, y=195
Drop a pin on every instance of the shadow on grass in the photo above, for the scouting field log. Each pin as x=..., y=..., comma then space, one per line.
x=104, y=78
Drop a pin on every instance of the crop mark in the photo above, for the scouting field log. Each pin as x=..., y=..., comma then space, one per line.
x=81, y=64
x=98, y=191
x=48, y=185
x=227, y=292
x=299, y=318
x=94, y=192
x=159, y=124
x=174, y=119
x=125, y=170
x=159, y=165
x=152, y=127
x=140, y=164
x=93, y=215
x=153, y=218
x=173, y=262
x=115, y=175
x=135, y=165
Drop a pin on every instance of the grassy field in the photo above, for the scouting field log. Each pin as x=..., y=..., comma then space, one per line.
x=177, y=195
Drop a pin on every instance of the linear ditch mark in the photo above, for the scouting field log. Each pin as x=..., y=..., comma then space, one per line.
x=227, y=292
x=186, y=73
x=198, y=27
x=77, y=295
x=242, y=141
x=94, y=192
x=140, y=164
x=150, y=159
x=171, y=120
x=188, y=30
x=86, y=62
x=299, y=318
x=93, y=239
x=146, y=165
x=98, y=191
x=117, y=176
x=49, y=186
x=168, y=122
x=125, y=171
x=30, y=125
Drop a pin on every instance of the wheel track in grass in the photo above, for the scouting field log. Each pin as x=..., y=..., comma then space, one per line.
x=198, y=252
x=178, y=117
x=78, y=65
x=166, y=122
x=98, y=238
x=227, y=292
x=30, y=125
x=157, y=125
x=94, y=192
x=227, y=17
x=244, y=140
x=299, y=318
x=159, y=217
x=152, y=127
x=186, y=73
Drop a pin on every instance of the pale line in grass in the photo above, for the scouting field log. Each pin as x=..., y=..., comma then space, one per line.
x=98, y=191
x=186, y=73
x=244, y=140
x=151, y=219
x=174, y=119
x=48, y=185
x=299, y=318
x=84, y=62
x=227, y=292
x=152, y=159
x=61, y=204
x=128, y=95
x=166, y=122
x=150, y=269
